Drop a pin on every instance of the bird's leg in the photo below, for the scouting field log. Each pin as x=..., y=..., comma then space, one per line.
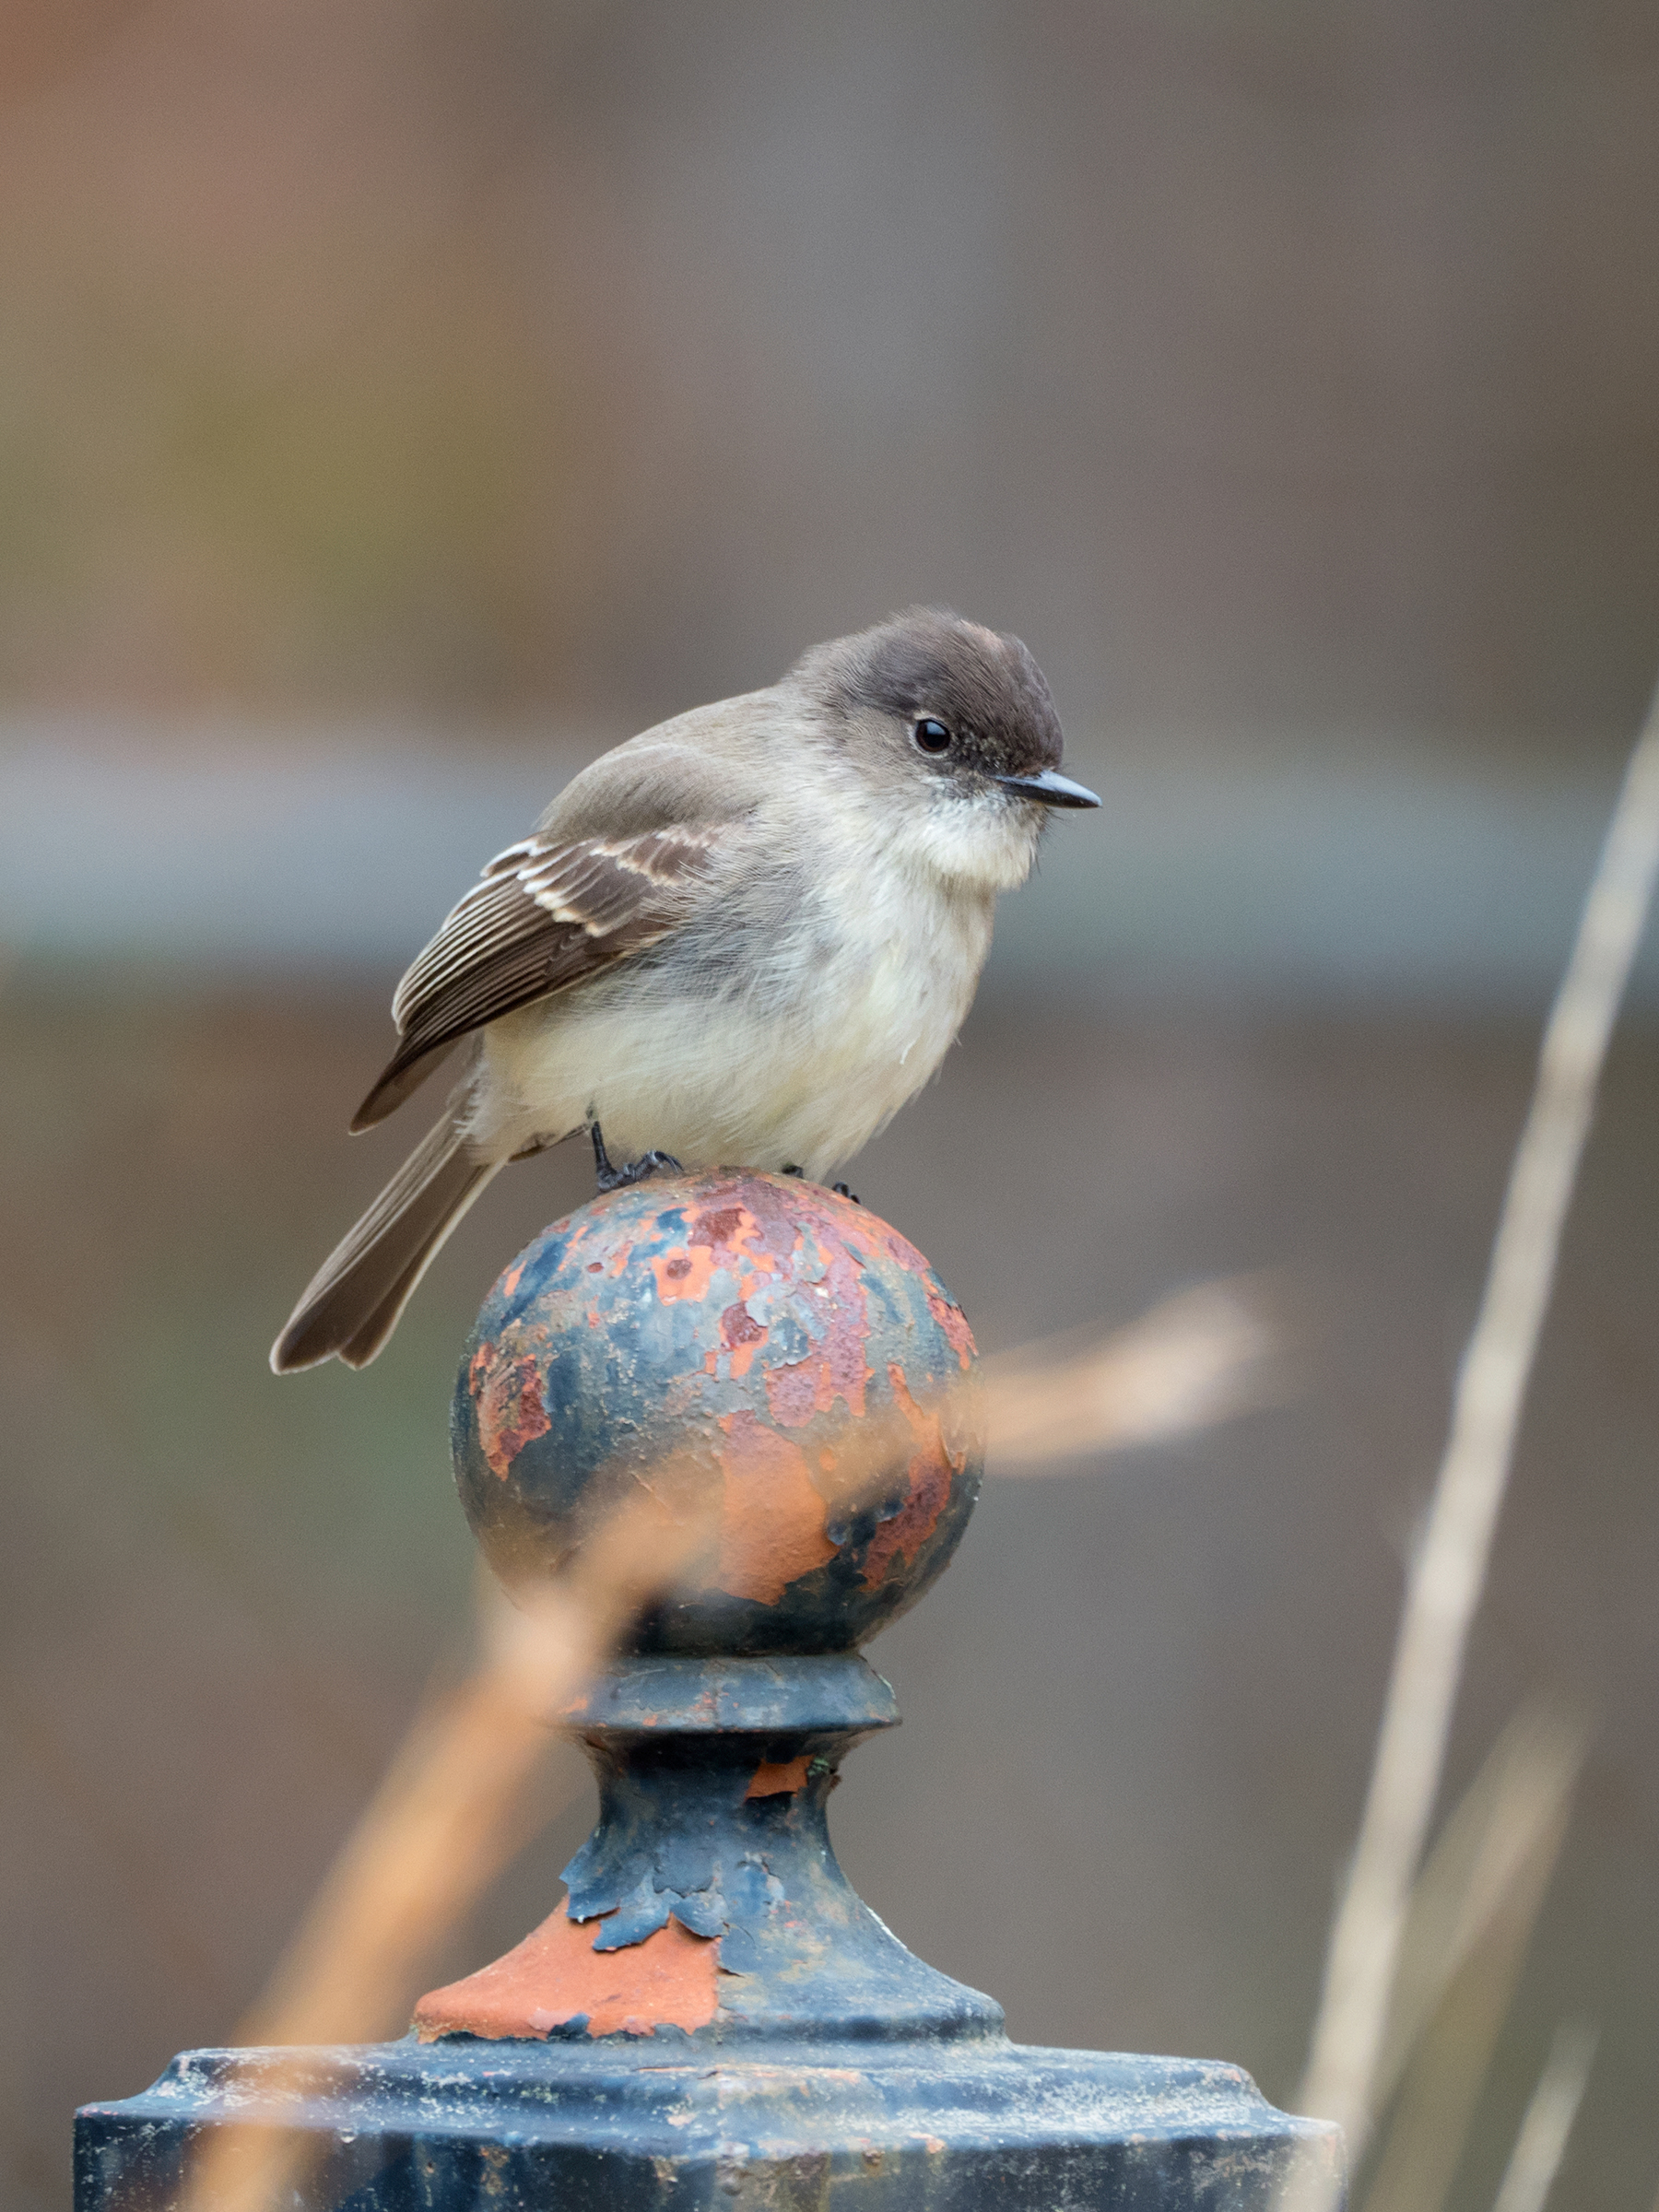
x=618, y=1179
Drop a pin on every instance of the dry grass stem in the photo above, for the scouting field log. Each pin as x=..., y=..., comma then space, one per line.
x=1448, y=2067
x=1448, y=1571
x=1547, y=2122
x=1196, y=1359
x=442, y=1822
x=1513, y=1815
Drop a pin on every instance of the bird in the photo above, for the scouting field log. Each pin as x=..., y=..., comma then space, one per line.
x=744, y=938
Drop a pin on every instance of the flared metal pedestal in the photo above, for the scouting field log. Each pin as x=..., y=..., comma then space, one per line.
x=713, y=2018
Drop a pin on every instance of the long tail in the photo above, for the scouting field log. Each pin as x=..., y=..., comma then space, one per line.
x=352, y=1304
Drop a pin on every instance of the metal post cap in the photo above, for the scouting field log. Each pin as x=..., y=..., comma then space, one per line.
x=748, y=1347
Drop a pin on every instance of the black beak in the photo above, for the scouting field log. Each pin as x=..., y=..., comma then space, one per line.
x=1049, y=789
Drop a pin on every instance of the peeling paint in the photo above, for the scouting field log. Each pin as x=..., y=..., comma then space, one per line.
x=732, y=1225
x=748, y=1323
x=778, y=1781
x=683, y=1274
x=772, y=1519
x=536, y=2082
x=929, y=1477
x=954, y=1322
x=874, y=1239
x=555, y=1977
x=511, y=1412
x=742, y=1334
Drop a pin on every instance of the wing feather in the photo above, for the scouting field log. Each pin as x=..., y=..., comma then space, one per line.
x=545, y=915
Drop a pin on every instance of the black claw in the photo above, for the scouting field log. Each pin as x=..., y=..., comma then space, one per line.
x=602, y=1166
x=619, y=1179
x=794, y=1171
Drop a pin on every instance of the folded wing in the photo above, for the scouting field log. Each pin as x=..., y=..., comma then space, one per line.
x=546, y=914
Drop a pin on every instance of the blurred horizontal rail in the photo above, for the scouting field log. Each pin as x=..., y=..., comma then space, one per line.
x=1308, y=869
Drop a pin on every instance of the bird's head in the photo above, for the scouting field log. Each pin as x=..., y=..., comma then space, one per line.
x=951, y=736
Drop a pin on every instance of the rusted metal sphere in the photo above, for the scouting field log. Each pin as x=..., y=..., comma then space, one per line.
x=756, y=1357
x=711, y=2017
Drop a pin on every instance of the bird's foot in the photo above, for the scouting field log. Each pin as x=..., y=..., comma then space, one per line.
x=840, y=1189
x=610, y=1177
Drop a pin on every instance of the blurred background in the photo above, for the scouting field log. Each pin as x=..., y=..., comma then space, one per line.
x=401, y=403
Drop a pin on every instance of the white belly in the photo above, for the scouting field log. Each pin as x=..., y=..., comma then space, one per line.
x=800, y=1067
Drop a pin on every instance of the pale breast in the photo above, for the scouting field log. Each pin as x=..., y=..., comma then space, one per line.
x=790, y=1046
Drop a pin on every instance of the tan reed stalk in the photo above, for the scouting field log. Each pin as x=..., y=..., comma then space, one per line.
x=1451, y=2059
x=1448, y=1571
x=1517, y=1802
x=1547, y=2122
x=1197, y=1358
x=441, y=1825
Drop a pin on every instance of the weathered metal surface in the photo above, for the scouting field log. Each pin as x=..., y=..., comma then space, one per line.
x=685, y=1846
x=849, y=2128
x=755, y=1340
x=713, y=2018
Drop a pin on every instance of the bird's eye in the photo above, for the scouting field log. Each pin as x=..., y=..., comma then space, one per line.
x=932, y=736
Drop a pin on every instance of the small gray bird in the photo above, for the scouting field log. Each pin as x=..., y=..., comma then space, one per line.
x=744, y=938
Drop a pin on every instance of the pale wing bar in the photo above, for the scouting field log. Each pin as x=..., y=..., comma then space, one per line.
x=543, y=917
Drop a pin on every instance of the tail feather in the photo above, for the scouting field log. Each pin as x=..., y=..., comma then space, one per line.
x=352, y=1304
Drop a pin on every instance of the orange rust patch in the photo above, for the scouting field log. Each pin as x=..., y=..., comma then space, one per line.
x=733, y=1228
x=771, y=1520
x=741, y=1334
x=835, y=1367
x=770, y=1780
x=478, y=1367
x=556, y=1975
x=954, y=1322
x=725, y=1225
x=929, y=1477
x=511, y=1412
x=683, y=1274
x=511, y=1279
x=869, y=1236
